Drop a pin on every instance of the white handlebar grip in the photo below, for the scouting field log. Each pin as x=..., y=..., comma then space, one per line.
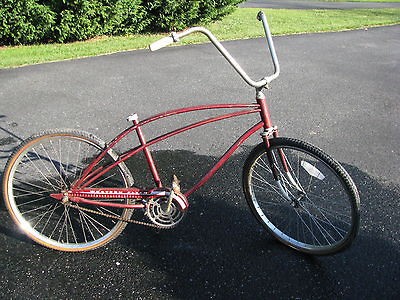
x=161, y=43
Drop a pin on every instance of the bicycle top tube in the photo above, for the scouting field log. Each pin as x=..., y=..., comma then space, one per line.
x=176, y=36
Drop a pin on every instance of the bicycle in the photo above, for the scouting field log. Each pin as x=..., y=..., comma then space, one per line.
x=69, y=190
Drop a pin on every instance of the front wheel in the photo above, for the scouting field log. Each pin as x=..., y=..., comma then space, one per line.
x=310, y=204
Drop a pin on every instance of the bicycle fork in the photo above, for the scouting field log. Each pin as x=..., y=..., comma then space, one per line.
x=269, y=131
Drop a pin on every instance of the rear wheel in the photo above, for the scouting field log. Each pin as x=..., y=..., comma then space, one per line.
x=49, y=163
x=312, y=207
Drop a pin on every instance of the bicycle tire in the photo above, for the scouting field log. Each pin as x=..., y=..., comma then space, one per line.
x=313, y=208
x=48, y=163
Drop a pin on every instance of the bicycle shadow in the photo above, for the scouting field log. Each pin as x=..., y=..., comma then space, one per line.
x=218, y=251
x=8, y=141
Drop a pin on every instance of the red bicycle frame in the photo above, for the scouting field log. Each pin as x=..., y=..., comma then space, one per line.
x=81, y=192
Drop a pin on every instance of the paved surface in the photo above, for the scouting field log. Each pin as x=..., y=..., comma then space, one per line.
x=310, y=4
x=337, y=90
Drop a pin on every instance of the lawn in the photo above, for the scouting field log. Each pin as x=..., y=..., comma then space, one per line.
x=390, y=1
x=240, y=24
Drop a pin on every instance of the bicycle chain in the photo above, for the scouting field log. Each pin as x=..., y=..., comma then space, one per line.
x=114, y=217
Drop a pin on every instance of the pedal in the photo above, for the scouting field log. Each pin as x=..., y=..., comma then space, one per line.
x=176, y=195
x=175, y=184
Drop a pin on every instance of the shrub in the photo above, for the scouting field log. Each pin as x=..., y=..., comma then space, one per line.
x=129, y=17
x=167, y=15
x=37, y=21
x=82, y=19
x=214, y=10
x=25, y=22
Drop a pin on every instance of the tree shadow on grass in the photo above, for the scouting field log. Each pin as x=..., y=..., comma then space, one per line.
x=218, y=251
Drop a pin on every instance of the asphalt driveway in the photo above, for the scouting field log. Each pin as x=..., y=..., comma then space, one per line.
x=339, y=91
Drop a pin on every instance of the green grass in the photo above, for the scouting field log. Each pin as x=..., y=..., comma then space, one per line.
x=26, y=55
x=357, y=1
x=241, y=24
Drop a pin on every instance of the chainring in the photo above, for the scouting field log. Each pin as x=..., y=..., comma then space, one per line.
x=156, y=211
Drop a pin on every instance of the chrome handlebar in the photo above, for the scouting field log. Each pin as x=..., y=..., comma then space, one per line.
x=176, y=36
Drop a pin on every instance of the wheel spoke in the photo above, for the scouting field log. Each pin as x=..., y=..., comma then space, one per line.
x=48, y=164
x=57, y=205
x=93, y=221
x=54, y=166
x=313, y=210
x=31, y=201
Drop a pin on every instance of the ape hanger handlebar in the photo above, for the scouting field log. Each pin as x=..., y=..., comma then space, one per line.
x=176, y=36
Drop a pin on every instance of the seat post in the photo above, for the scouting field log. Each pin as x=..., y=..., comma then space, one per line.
x=149, y=158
